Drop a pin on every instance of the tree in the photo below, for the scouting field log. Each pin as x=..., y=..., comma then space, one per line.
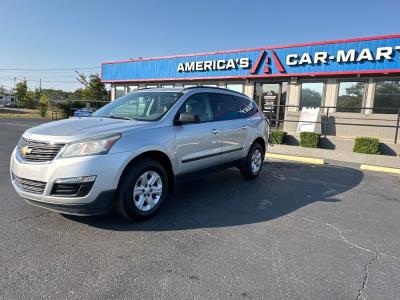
x=57, y=95
x=21, y=91
x=93, y=88
x=43, y=105
x=24, y=97
x=356, y=89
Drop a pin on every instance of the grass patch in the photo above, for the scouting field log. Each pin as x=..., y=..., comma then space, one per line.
x=34, y=114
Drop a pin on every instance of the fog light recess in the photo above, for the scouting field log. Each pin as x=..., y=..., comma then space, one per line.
x=73, y=186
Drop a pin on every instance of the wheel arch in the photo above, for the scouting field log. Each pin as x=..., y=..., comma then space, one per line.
x=260, y=141
x=159, y=156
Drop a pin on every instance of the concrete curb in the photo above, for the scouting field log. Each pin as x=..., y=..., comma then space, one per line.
x=349, y=157
x=308, y=160
x=319, y=161
x=380, y=169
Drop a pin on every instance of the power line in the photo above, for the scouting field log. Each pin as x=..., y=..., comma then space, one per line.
x=38, y=80
x=48, y=70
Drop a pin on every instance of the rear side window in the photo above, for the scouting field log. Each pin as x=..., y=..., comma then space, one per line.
x=224, y=107
x=246, y=107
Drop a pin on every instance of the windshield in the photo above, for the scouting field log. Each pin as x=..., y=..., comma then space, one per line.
x=141, y=106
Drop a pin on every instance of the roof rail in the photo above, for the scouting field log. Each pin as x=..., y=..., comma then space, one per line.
x=213, y=87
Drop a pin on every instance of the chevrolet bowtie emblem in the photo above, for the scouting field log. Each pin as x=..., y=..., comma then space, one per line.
x=26, y=150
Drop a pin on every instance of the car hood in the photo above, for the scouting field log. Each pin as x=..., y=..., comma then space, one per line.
x=74, y=129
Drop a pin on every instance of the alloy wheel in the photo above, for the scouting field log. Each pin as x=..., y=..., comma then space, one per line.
x=147, y=190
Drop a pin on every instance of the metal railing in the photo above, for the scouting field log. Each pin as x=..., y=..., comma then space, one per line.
x=325, y=115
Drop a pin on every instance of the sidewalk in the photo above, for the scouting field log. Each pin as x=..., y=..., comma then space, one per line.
x=350, y=157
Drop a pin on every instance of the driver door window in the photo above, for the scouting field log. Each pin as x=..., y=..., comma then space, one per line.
x=198, y=105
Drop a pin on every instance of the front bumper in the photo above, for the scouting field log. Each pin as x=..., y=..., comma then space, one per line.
x=107, y=169
x=103, y=204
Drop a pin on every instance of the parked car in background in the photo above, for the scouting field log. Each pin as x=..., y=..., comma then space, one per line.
x=83, y=112
x=129, y=154
x=7, y=100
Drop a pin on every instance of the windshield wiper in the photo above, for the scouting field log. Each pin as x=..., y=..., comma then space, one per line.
x=119, y=117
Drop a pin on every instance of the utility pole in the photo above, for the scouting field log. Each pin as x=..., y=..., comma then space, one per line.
x=40, y=84
x=15, y=81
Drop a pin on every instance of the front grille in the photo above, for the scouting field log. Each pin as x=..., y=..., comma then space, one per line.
x=36, y=151
x=30, y=186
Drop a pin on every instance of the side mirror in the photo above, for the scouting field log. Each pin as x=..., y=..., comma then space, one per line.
x=185, y=118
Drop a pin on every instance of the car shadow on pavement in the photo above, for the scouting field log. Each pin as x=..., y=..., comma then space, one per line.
x=226, y=199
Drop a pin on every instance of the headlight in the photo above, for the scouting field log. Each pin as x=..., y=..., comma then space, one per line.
x=95, y=146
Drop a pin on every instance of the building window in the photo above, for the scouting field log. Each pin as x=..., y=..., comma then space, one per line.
x=151, y=86
x=311, y=94
x=210, y=85
x=387, y=97
x=350, y=97
x=167, y=86
x=237, y=87
x=185, y=86
x=119, y=91
x=132, y=88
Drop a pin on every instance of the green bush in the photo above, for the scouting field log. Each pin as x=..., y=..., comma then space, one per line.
x=367, y=145
x=277, y=137
x=309, y=139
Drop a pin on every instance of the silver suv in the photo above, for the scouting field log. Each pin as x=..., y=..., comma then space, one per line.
x=129, y=154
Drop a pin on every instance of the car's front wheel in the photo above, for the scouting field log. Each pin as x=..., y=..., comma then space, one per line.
x=142, y=190
x=252, y=165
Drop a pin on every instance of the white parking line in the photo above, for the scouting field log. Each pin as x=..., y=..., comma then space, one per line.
x=17, y=124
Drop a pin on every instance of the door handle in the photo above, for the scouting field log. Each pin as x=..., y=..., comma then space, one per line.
x=244, y=127
x=214, y=131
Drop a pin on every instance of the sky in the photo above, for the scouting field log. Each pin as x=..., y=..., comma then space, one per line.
x=80, y=34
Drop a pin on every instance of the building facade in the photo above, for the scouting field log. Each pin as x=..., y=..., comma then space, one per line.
x=355, y=80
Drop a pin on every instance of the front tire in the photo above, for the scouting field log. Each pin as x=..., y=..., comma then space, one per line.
x=142, y=190
x=252, y=165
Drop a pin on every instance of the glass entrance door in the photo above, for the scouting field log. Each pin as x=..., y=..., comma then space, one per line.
x=271, y=97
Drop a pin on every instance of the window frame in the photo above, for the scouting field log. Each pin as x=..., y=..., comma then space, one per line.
x=189, y=85
x=323, y=100
x=129, y=88
x=364, y=99
x=210, y=85
x=235, y=83
x=120, y=86
x=152, y=86
x=375, y=81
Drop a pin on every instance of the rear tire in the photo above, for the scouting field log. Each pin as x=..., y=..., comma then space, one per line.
x=142, y=190
x=252, y=165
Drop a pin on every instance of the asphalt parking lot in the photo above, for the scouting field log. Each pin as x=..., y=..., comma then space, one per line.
x=297, y=232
